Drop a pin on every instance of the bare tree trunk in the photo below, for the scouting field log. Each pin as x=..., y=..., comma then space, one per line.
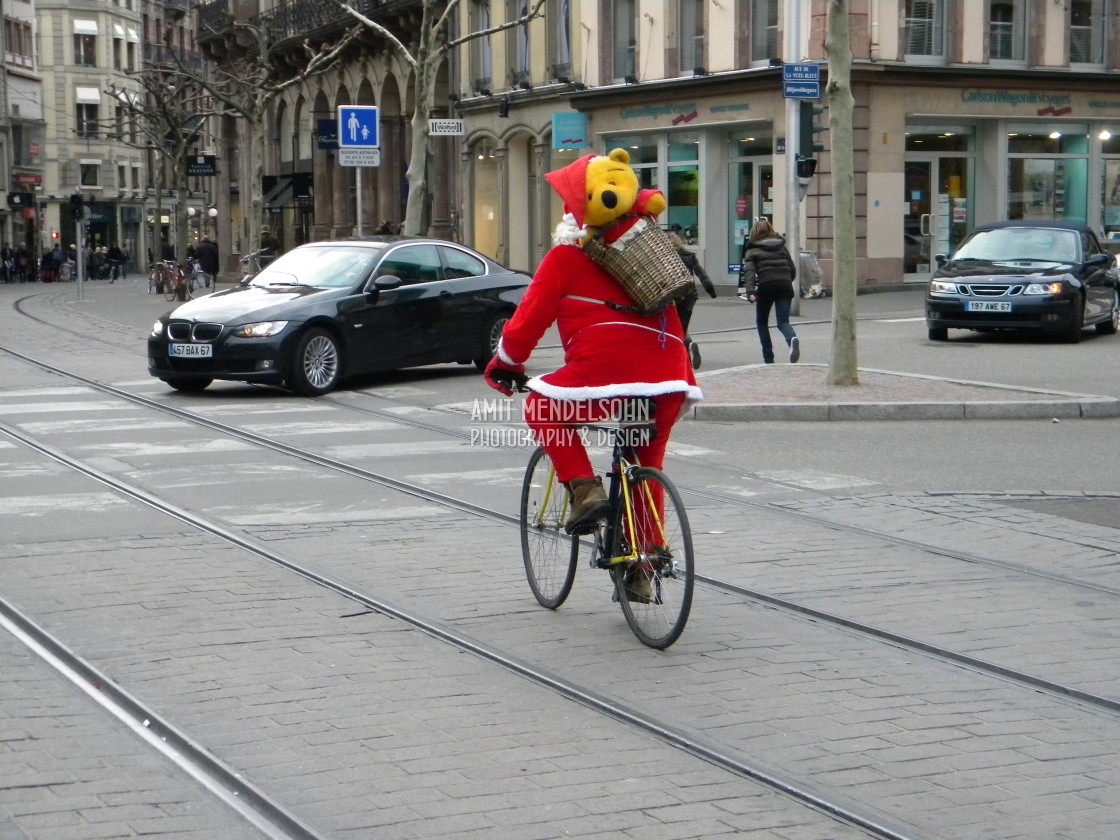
x=842, y=365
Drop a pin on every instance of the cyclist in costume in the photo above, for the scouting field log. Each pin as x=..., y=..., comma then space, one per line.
x=609, y=353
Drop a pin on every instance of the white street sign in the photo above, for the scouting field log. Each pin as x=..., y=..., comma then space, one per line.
x=446, y=128
x=359, y=157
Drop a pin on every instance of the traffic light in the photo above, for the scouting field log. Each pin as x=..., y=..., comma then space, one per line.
x=54, y=236
x=814, y=122
x=76, y=203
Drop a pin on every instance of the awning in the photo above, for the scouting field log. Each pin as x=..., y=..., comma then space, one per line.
x=89, y=95
x=85, y=27
x=283, y=190
x=118, y=30
x=132, y=36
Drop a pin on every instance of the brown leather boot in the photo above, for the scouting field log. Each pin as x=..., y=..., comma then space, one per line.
x=589, y=504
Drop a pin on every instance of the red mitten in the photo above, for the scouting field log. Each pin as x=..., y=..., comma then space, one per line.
x=502, y=376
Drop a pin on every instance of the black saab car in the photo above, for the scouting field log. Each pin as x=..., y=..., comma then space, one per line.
x=327, y=310
x=1025, y=275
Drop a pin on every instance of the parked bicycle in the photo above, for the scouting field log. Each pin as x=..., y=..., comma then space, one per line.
x=645, y=543
x=168, y=279
x=199, y=279
x=257, y=260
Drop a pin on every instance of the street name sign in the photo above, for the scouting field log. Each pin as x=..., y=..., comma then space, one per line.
x=801, y=81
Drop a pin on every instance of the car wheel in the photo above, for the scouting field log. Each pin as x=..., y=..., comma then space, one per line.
x=491, y=337
x=1109, y=327
x=938, y=333
x=1072, y=335
x=316, y=364
x=187, y=385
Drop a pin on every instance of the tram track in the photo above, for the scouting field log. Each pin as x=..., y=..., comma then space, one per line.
x=872, y=823
x=995, y=670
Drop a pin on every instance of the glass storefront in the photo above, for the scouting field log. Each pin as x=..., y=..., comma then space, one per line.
x=1048, y=172
x=938, y=198
x=486, y=198
x=751, y=185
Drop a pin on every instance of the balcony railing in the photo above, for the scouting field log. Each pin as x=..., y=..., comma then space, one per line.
x=305, y=16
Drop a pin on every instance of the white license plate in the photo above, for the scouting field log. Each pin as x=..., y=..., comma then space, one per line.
x=987, y=306
x=191, y=351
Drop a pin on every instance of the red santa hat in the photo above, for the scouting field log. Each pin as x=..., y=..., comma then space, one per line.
x=570, y=184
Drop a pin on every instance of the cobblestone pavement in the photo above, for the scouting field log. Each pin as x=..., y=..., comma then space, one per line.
x=368, y=727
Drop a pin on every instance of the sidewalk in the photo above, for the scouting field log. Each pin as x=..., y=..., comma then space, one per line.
x=801, y=392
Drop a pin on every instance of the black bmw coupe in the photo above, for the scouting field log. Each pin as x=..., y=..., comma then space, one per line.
x=327, y=310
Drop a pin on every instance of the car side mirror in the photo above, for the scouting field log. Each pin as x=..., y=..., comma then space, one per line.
x=1099, y=259
x=245, y=280
x=941, y=259
x=386, y=282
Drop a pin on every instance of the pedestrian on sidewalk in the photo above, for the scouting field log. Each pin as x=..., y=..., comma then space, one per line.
x=686, y=304
x=766, y=274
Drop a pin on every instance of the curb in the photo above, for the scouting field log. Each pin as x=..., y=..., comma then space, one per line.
x=1050, y=405
x=1087, y=408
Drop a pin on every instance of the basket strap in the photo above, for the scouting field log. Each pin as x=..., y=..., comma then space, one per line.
x=625, y=217
x=610, y=304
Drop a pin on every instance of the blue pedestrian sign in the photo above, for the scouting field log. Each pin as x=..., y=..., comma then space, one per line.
x=357, y=127
x=801, y=81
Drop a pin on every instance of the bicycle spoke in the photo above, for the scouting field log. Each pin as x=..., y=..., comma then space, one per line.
x=549, y=554
x=654, y=589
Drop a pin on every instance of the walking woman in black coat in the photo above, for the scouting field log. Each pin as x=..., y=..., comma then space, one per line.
x=767, y=272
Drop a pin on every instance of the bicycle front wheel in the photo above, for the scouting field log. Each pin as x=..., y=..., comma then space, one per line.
x=550, y=554
x=170, y=287
x=654, y=588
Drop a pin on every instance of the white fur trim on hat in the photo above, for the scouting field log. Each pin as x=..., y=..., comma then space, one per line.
x=568, y=232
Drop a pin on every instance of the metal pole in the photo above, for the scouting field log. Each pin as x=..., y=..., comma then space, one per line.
x=358, y=186
x=81, y=257
x=793, y=138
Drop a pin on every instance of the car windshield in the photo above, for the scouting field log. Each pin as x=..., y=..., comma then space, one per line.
x=1021, y=244
x=335, y=267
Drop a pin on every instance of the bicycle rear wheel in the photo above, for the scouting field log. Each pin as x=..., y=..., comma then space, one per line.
x=655, y=590
x=170, y=286
x=550, y=554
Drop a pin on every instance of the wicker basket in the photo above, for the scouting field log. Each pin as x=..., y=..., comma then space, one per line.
x=645, y=264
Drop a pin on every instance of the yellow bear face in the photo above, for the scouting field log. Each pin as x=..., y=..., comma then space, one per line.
x=612, y=188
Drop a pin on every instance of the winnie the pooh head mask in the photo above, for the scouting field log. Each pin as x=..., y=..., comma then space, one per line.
x=598, y=189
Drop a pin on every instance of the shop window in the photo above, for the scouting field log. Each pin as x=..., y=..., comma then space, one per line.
x=487, y=198
x=624, y=40
x=1007, y=31
x=1087, y=25
x=1048, y=169
x=924, y=29
x=764, y=31
x=642, y=148
x=690, y=29
x=950, y=138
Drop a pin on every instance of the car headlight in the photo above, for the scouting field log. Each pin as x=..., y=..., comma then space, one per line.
x=157, y=328
x=942, y=287
x=262, y=329
x=1043, y=289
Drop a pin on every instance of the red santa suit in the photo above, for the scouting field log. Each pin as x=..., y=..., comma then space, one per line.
x=607, y=354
